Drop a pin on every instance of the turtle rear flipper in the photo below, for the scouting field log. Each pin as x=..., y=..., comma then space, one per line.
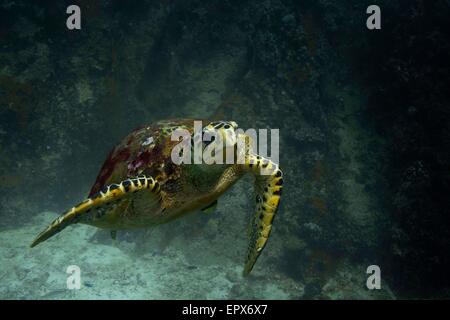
x=100, y=204
x=268, y=185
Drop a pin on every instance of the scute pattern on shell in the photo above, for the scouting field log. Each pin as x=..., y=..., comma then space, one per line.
x=146, y=150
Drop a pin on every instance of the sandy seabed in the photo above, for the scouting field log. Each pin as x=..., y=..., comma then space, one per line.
x=121, y=270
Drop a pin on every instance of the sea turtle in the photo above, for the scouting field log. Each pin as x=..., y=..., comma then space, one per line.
x=139, y=184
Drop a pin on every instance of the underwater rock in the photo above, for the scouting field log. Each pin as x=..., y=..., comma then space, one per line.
x=364, y=143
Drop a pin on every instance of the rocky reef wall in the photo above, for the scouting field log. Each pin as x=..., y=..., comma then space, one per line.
x=362, y=115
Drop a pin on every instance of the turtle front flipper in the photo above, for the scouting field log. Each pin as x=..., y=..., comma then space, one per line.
x=101, y=203
x=268, y=185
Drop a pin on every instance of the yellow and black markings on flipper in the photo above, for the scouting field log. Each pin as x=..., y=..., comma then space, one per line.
x=268, y=188
x=99, y=204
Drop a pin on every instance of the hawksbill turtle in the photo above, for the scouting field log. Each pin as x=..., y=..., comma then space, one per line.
x=139, y=185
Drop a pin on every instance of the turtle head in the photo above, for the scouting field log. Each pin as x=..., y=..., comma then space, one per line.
x=219, y=136
x=225, y=130
x=209, y=149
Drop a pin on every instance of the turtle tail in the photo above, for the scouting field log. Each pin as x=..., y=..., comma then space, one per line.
x=98, y=205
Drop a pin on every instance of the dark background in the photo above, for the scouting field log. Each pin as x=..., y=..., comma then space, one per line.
x=364, y=115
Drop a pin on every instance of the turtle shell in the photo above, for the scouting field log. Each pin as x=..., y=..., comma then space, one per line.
x=146, y=150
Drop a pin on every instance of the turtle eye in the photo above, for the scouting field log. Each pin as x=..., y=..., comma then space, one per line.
x=207, y=135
